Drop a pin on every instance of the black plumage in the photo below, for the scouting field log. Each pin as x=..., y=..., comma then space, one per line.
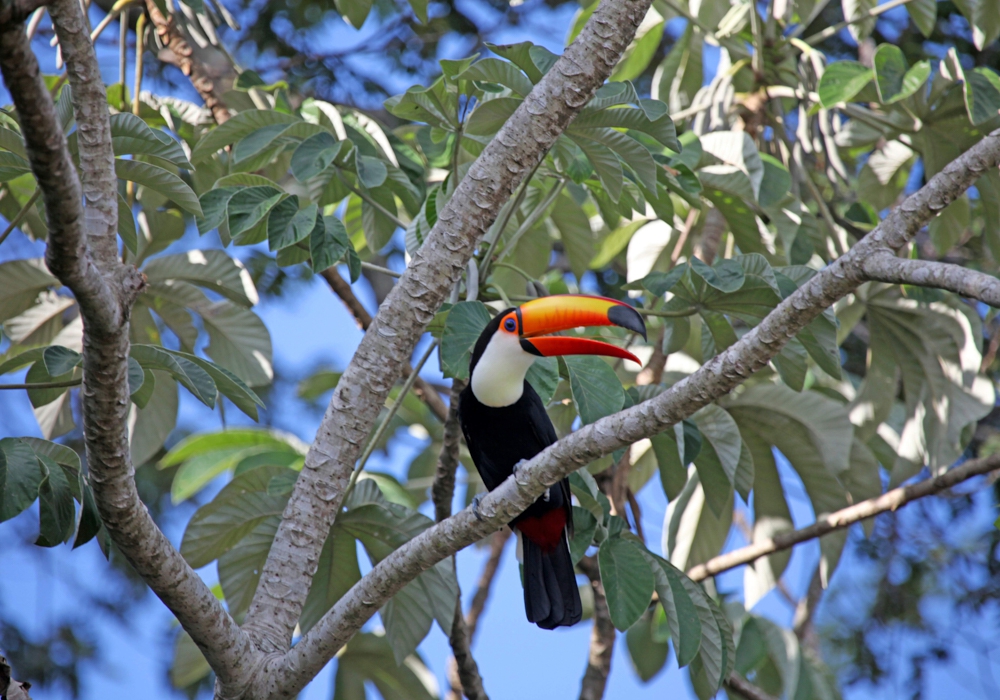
x=498, y=438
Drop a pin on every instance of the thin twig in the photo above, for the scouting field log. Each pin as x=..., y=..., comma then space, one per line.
x=891, y=500
x=745, y=689
x=42, y=385
x=602, y=637
x=16, y=221
x=379, y=268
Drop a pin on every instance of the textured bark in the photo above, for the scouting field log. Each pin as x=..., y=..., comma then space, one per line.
x=713, y=379
x=886, y=267
x=890, y=500
x=210, y=70
x=805, y=611
x=443, y=490
x=462, y=667
x=82, y=253
x=602, y=638
x=482, y=594
x=520, y=144
x=421, y=388
x=16, y=11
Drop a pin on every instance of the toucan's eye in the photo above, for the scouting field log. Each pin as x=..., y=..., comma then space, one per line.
x=510, y=325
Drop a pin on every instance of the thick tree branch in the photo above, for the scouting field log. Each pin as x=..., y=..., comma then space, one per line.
x=886, y=267
x=520, y=144
x=891, y=500
x=210, y=71
x=14, y=12
x=602, y=638
x=421, y=388
x=713, y=379
x=82, y=253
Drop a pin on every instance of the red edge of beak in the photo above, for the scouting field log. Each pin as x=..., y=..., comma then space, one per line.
x=551, y=346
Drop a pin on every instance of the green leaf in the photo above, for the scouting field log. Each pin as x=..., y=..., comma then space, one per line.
x=189, y=666
x=235, y=512
x=605, y=164
x=23, y=281
x=60, y=360
x=489, y=116
x=126, y=226
x=161, y=181
x=727, y=275
x=614, y=243
x=20, y=476
x=371, y=171
x=462, y=328
x=924, y=15
x=640, y=53
x=236, y=128
x=597, y=391
x=648, y=654
x=982, y=94
x=719, y=456
x=628, y=580
x=247, y=208
x=328, y=243
x=130, y=135
x=337, y=571
x=210, y=269
x=368, y=657
x=12, y=166
x=575, y=232
x=194, y=378
x=314, y=155
x=776, y=183
x=354, y=11
x=543, y=375
x=241, y=566
x=493, y=70
x=238, y=341
x=56, y=511
x=842, y=81
x=258, y=141
x=302, y=223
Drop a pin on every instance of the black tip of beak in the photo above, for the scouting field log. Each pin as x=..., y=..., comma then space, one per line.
x=627, y=317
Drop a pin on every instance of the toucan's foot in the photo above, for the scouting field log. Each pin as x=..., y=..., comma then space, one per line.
x=519, y=466
x=475, y=507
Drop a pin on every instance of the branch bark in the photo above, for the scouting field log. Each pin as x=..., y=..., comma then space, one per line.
x=482, y=594
x=891, y=500
x=210, y=71
x=520, y=144
x=82, y=252
x=602, y=638
x=886, y=267
x=713, y=379
x=421, y=388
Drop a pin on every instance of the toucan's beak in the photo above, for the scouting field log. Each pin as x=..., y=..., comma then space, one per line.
x=564, y=311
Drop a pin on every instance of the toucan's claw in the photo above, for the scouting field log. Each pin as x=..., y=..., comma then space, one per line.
x=475, y=507
x=519, y=466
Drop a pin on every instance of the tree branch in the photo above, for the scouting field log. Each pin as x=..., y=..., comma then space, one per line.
x=205, y=70
x=82, y=253
x=886, y=267
x=740, y=686
x=423, y=390
x=482, y=594
x=14, y=12
x=713, y=379
x=520, y=144
x=891, y=500
x=602, y=637
x=443, y=489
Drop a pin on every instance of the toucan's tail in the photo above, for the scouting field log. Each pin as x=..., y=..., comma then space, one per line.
x=551, y=596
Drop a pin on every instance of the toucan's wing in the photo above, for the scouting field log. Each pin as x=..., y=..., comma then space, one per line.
x=545, y=435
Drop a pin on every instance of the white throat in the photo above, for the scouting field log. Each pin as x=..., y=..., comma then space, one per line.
x=498, y=379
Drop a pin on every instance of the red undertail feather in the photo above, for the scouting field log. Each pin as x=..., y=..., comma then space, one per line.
x=545, y=531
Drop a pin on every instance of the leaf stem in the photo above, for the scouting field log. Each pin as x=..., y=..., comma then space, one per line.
x=368, y=198
x=516, y=269
x=16, y=221
x=679, y=313
x=819, y=37
x=43, y=385
x=532, y=219
x=505, y=219
x=383, y=270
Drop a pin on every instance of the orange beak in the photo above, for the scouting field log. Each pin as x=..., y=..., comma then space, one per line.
x=562, y=312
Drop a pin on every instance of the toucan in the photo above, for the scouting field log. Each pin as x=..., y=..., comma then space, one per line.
x=505, y=423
